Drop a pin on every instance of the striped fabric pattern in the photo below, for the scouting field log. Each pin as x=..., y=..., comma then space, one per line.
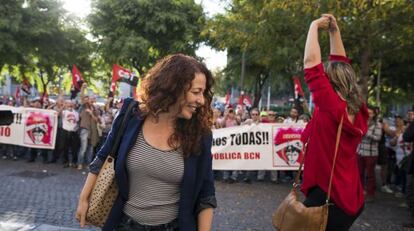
x=154, y=180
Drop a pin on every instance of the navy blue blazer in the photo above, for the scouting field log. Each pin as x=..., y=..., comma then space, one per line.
x=197, y=186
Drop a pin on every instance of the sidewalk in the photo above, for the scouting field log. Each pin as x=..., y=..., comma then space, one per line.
x=43, y=197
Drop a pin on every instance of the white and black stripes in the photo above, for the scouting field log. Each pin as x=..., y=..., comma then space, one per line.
x=154, y=183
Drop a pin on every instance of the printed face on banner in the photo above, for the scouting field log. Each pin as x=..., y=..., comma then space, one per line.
x=38, y=129
x=288, y=148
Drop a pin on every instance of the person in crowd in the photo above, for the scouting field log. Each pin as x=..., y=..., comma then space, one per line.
x=402, y=150
x=105, y=123
x=336, y=96
x=390, y=130
x=272, y=115
x=293, y=116
x=368, y=154
x=280, y=119
x=70, y=120
x=217, y=118
x=254, y=119
x=165, y=179
x=36, y=103
x=383, y=158
x=241, y=113
x=410, y=116
x=87, y=117
x=230, y=120
x=58, y=151
x=304, y=118
x=9, y=150
x=271, y=118
x=94, y=132
x=264, y=117
x=273, y=174
x=408, y=136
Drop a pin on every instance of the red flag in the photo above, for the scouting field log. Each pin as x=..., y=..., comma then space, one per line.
x=297, y=87
x=247, y=101
x=25, y=86
x=123, y=75
x=227, y=100
x=17, y=93
x=77, y=78
x=240, y=102
x=17, y=96
x=44, y=96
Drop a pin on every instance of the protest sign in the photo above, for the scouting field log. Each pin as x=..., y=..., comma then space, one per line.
x=31, y=127
x=258, y=147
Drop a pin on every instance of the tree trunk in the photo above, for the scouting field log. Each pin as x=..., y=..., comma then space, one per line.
x=260, y=81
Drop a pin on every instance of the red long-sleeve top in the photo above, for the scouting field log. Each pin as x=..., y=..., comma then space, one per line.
x=347, y=192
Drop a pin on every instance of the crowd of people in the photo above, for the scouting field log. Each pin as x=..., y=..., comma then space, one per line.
x=384, y=146
x=239, y=116
x=82, y=127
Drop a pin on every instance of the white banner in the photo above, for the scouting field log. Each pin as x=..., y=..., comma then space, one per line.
x=258, y=147
x=31, y=127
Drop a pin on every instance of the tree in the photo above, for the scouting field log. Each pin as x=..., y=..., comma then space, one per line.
x=273, y=33
x=11, y=47
x=44, y=42
x=136, y=33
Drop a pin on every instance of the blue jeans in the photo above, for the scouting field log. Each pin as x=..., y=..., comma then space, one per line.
x=234, y=174
x=85, y=148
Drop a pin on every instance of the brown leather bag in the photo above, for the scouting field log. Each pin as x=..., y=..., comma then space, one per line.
x=105, y=190
x=293, y=215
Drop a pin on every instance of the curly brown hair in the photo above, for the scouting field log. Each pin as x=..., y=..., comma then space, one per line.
x=166, y=83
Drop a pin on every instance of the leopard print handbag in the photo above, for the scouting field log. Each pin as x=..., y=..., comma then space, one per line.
x=103, y=194
x=105, y=190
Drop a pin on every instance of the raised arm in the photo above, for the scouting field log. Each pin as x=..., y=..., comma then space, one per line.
x=337, y=47
x=312, y=54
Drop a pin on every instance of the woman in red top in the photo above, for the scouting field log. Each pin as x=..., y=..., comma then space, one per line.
x=335, y=94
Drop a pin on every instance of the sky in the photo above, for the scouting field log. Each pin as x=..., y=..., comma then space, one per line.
x=214, y=59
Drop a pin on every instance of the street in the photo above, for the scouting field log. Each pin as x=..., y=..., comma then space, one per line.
x=35, y=196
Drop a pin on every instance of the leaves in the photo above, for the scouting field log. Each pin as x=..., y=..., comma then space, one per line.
x=137, y=33
x=273, y=34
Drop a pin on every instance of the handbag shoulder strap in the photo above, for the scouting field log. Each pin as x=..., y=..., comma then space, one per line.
x=120, y=132
x=338, y=137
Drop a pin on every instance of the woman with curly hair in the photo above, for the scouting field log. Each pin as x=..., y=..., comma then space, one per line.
x=337, y=98
x=164, y=165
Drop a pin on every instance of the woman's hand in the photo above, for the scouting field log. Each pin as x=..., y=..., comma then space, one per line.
x=322, y=22
x=81, y=212
x=333, y=26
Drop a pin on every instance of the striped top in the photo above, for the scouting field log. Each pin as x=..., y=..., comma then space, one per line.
x=154, y=183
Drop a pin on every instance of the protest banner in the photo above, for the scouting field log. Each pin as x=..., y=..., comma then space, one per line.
x=258, y=147
x=31, y=127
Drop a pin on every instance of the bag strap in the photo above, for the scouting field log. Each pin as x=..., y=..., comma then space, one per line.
x=120, y=132
x=338, y=137
x=299, y=172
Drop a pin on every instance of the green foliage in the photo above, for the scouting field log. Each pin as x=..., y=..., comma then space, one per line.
x=273, y=34
x=138, y=32
x=39, y=42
